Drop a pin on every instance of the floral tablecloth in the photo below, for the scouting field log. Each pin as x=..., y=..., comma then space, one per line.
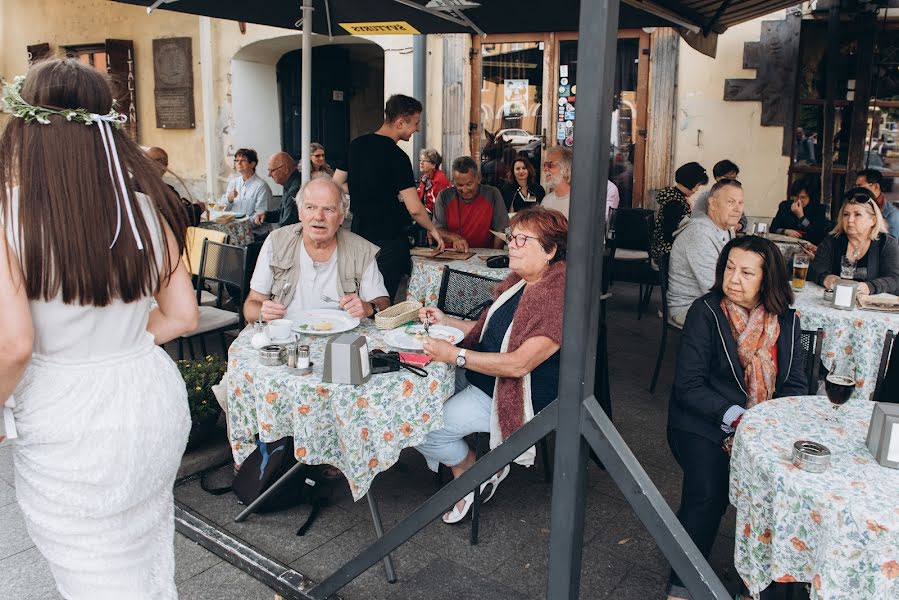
x=837, y=530
x=358, y=429
x=424, y=285
x=856, y=332
x=240, y=231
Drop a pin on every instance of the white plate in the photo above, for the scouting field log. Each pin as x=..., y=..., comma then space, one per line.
x=407, y=337
x=314, y=322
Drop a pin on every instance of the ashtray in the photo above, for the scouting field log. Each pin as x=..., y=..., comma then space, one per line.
x=272, y=355
x=299, y=371
x=811, y=456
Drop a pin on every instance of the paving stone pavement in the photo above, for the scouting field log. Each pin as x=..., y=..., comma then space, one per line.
x=621, y=561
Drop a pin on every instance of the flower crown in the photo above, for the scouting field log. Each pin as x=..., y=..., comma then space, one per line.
x=19, y=107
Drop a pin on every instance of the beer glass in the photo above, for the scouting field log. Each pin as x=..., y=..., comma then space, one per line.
x=800, y=270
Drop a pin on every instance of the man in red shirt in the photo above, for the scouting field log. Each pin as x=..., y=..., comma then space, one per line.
x=465, y=214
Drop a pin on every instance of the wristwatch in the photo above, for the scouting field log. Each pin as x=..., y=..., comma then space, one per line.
x=460, y=358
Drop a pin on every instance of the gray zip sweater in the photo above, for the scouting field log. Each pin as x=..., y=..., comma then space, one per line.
x=694, y=254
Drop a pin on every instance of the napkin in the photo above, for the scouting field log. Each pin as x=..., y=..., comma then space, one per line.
x=886, y=302
x=7, y=423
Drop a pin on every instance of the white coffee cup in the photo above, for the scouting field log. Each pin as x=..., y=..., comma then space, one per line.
x=280, y=329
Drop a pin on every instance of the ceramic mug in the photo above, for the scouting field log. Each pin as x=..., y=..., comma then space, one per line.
x=280, y=329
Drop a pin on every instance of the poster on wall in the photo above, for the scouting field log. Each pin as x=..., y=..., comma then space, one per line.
x=565, y=122
x=515, y=97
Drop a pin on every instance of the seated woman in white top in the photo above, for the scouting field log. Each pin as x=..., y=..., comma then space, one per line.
x=316, y=263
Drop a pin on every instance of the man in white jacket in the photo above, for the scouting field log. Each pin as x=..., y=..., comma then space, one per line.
x=697, y=244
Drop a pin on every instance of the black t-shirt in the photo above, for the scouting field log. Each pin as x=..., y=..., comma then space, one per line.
x=378, y=171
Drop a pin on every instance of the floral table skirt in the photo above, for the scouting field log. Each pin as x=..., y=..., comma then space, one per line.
x=358, y=429
x=837, y=530
x=240, y=231
x=859, y=333
x=427, y=274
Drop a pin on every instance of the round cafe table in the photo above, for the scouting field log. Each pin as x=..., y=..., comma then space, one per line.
x=856, y=332
x=837, y=530
x=358, y=429
x=427, y=273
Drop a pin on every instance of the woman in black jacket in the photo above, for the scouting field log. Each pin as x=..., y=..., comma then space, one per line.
x=739, y=347
x=802, y=216
x=861, y=237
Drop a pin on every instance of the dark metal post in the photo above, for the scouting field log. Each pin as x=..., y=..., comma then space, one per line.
x=858, y=123
x=419, y=91
x=827, y=131
x=597, y=41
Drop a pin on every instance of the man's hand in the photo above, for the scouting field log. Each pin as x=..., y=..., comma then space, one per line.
x=356, y=306
x=435, y=235
x=793, y=233
x=271, y=310
x=461, y=244
x=796, y=209
x=862, y=288
x=232, y=195
x=259, y=218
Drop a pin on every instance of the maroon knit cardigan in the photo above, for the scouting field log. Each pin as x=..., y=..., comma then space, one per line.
x=538, y=314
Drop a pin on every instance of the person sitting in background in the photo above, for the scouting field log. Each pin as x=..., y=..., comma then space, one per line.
x=697, y=245
x=740, y=347
x=861, y=238
x=674, y=206
x=282, y=168
x=508, y=365
x=465, y=214
x=316, y=263
x=317, y=159
x=557, y=172
x=521, y=189
x=802, y=216
x=724, y=169
x=193, y=210
x=247, y=193
x=871, y=179
x=432, y=180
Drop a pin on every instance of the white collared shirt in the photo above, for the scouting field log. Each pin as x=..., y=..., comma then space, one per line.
x=253, y=195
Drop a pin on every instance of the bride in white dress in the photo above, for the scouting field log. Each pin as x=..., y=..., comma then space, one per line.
x=101, y=410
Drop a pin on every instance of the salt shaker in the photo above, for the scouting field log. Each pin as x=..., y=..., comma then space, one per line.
x=302, y=357
x=260, y=336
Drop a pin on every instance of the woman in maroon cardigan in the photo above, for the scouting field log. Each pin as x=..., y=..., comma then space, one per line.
x=509, y=363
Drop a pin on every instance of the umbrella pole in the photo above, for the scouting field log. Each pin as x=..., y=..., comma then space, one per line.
x=306, y=92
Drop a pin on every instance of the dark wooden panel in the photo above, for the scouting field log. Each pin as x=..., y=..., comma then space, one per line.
x=38, y=52
x=751, y=55
x=120, y=66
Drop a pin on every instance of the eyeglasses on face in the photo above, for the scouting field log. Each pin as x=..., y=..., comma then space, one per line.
x=319, y=155
x=517, y=240
x=273, y=169
x=549, y=164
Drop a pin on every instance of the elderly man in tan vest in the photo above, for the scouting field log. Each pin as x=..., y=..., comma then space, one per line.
x=316, y=263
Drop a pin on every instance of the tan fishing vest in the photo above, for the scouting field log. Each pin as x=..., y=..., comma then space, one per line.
x=354, y=254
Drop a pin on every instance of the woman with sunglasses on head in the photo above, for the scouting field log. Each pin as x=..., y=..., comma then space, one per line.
x=860, y=237
x=317, y=158
x=509, y=360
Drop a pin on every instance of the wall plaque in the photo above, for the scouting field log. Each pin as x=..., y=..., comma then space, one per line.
x=174, y=83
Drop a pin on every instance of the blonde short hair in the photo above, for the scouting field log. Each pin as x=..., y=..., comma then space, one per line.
x=858, y=197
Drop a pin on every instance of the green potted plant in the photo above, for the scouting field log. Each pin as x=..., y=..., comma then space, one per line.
x=199, y=377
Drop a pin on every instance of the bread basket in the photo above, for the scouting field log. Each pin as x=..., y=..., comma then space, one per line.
x=398, y=314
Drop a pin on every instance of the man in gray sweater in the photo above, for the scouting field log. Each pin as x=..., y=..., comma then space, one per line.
x=694, y=254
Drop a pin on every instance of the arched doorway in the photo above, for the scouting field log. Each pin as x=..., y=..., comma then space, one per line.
x=347, y=96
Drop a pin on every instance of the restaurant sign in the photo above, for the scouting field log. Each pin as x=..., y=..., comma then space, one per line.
x=383, y=28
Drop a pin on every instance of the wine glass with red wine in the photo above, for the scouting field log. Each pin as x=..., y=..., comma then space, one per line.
x=840, y=383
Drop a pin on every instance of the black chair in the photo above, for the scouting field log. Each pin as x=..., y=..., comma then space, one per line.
x=664, y=263
x=887, y=371
x=810, y=353
x=465, y=295
x=226, y=266
x=629, y=247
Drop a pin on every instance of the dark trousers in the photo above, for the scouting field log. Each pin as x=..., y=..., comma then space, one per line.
x=393, y=262
x=704, y=494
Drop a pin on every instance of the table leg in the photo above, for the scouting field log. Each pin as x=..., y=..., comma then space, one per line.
x=379, y=531
x=274, y=487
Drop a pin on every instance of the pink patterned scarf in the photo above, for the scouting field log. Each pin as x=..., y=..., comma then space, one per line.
x=755, y=331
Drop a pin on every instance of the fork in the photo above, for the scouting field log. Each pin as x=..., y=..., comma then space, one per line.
x=327, y=299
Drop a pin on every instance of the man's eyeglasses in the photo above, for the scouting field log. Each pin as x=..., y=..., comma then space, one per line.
x=549, y=164
x=517, y=240
x=273, y=169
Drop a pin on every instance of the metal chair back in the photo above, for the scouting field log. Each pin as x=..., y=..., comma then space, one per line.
x=633, y=229
x=810, y=356
x=465, y=295
x=193, y=246
x=225, y=265
x=889, y=344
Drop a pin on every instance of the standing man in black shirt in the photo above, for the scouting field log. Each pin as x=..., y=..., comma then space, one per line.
x=382, y=189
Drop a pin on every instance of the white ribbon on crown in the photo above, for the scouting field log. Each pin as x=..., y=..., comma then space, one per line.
x=118, y=177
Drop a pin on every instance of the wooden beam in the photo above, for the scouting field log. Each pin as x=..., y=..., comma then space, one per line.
x=858, y=141
x=661, y=117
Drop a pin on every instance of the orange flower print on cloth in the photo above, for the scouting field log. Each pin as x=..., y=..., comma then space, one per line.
x=408, y=388
x=816, y=582
x=300, y=453
x=304, y=409
x=747, y=531
x=425, y=417
x=364, y=433
x=406, y=429
x=816, y=517
x=388, y=436
x=373, y=463
x=786, y=579
x=798, y=544
x=890, y=569
x=266, y=427
x=765, y=536
x=876, y=527
x=322, y=391
x=362, y=402
x=270, y=397
x=248, y=377
x=238, y=392
x=433, y=385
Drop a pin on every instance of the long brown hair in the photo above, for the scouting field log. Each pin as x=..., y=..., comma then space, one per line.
x=66, y=199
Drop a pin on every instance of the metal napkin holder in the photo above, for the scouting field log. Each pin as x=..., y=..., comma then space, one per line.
x=811, y=456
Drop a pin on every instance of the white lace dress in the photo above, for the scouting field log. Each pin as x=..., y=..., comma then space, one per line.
x=103, y=419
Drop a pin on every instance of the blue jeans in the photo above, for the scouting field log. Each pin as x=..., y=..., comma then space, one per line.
x=466, y=412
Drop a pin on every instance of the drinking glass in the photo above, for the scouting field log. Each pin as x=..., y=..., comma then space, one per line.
x=847, y=268
x=760, y=228
x=840, y=383
x=800, y=270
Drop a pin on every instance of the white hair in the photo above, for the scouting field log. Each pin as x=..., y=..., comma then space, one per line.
x=325, y=179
